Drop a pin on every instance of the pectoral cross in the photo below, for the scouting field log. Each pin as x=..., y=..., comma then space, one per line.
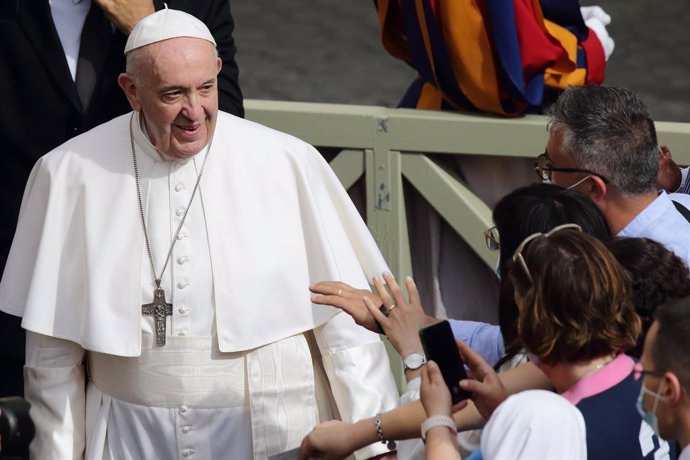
x=159, y=309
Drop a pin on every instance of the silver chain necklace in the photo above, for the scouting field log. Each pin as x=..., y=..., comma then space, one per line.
x=159, y=308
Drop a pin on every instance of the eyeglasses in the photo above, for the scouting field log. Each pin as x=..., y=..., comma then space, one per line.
x=517, y=255
x=493, y=239
x=543, y=168
x=639, y=372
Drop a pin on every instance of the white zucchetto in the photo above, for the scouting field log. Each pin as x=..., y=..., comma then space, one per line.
x=164, y=25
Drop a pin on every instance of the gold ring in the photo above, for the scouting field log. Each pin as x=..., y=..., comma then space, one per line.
x=391, y=309
x=339, y=291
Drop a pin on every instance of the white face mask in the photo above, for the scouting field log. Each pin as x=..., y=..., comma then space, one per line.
x=650, y=417
x=570, y=187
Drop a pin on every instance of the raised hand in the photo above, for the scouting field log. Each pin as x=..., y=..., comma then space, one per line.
x=400, y=319
x=348, y=299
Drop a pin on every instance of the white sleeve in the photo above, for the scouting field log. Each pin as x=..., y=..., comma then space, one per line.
x=54, y=386
x=359, y=373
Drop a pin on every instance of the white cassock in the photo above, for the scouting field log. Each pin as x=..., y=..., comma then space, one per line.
x=242, y=373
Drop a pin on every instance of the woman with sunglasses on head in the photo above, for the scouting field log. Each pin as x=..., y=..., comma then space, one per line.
x=576, y=320
x=537, y=207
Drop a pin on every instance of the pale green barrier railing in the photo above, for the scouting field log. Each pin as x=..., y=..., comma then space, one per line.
x=386, y=145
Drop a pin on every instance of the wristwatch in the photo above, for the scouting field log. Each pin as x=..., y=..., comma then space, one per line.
x=414, y=360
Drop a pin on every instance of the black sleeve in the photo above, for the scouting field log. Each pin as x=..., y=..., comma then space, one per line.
x=221, y=24
x=217, y=16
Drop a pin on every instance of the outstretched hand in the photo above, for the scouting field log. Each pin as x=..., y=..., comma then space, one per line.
x=400, y=319
x=348, y=299
x=486, y=387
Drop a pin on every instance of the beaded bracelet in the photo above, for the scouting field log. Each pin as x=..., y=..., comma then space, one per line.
x=438, y=420
x=390, y=444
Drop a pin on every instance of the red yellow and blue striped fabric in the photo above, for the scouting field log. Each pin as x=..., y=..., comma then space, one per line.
x=496, y=56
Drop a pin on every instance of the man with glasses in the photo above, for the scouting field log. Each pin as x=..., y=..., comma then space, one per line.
x=665, y=369
x=602, y=143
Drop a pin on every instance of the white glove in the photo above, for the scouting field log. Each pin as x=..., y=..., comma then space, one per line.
x=596, y=19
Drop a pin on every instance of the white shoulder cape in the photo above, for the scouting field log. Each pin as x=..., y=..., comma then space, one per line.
x=277, y=220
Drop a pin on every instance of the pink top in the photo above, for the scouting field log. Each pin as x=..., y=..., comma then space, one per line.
x=597, y=382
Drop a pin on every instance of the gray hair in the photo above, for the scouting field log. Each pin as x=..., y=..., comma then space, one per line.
x=610, y=131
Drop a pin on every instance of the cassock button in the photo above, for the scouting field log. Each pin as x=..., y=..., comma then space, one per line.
x=187, y=453
x=183, y=259
x=182, y=235
x=186, y=429
x=183, y=310
x=180, y=187
x=183, y=408
x=182, y=332
x=180, y=212
x=183, y=284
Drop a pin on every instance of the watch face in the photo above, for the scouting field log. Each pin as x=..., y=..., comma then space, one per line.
x=414, y=360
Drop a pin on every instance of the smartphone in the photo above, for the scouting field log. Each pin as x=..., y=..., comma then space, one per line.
x=439, y=345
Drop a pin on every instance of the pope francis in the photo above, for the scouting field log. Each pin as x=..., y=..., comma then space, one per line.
x=161, y=268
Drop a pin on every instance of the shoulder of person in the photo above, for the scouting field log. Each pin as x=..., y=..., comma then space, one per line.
x=236, y=130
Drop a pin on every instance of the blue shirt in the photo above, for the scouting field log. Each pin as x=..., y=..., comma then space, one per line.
x=485, y=339
x=661, y=221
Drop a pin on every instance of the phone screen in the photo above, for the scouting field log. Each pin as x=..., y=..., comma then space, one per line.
x=439, y=345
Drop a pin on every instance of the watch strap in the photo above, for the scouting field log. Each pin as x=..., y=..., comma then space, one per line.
x=438, y=420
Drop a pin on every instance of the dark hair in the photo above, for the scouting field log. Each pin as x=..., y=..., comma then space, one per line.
x=575, y=299
x=670, y=349
x=531, y=209
x=657, y=275
x=611, y=132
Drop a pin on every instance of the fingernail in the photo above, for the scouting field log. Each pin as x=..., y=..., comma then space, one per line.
x=464, y=384
x=375, y=279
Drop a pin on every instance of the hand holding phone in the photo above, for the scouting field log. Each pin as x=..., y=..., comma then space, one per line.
x=439, y=346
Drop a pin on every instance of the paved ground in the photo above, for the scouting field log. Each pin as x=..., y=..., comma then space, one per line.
x=329, y=51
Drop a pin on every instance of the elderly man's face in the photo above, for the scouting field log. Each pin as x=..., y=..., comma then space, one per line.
x=177, y=95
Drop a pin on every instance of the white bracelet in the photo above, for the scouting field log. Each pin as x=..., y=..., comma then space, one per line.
x=438, y=420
